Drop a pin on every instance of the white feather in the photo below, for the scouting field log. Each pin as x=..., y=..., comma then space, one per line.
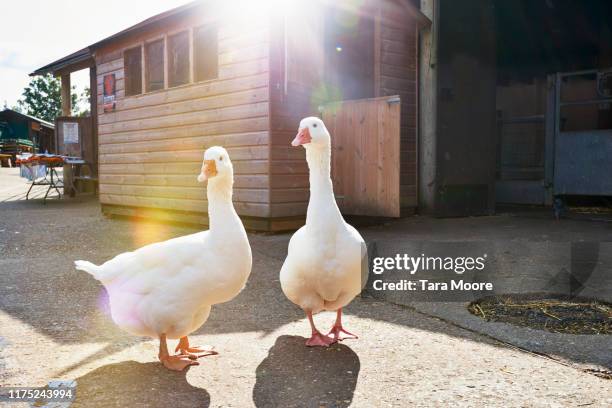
x=326, y=264
x=169, y=287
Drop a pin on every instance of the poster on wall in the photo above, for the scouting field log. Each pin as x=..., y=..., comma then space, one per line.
x=71, y=132
x=109, y=93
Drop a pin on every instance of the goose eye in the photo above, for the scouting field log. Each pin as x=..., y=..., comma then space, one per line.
x=220, y=158
x=314, y=125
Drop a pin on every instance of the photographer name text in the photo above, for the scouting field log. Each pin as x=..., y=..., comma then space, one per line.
x=427, y=285
x=412, y=265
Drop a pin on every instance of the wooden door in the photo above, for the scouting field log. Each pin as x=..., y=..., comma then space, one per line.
x=366, y=155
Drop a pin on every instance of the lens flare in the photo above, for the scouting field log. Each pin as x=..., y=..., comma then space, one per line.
x=148, y=232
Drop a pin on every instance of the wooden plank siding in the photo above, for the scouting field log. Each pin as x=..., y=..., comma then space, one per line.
x=151, y=146
x=296, y=61
x=270, y=76
x=293, y=97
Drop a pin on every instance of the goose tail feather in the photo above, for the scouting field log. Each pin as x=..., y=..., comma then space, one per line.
x=88, y=267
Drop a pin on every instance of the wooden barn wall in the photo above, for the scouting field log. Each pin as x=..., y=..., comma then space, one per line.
x=397, y=75
x=292, y=97
x=295, y=96
x=151, y=146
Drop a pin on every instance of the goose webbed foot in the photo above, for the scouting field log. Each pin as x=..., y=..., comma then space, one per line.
x=193, y=352
x=319, y=339
x=175, y=363
x=337, y=332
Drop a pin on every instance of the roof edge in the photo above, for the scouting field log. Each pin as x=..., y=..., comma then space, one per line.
x=78, y=57
x=42, y=121
x=83, y=55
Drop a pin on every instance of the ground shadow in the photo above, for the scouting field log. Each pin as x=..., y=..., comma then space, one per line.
x=130, y=384
x=293, y=375
x=40, y=287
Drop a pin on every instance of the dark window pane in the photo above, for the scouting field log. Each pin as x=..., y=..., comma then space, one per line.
x=154, y=62
x=205, y=53
x=132, y=65
x=178, y=59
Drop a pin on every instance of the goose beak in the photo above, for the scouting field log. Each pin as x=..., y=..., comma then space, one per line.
x=302, y=137
x=209, y=169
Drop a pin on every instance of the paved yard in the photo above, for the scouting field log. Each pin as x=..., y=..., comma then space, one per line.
x=54, y=324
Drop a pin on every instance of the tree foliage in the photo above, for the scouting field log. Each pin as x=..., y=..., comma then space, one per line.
x=84, y=100
x=42, y=98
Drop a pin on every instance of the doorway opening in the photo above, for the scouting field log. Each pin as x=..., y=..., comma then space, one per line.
x=349, y=54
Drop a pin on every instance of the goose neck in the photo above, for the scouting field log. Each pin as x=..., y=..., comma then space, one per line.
x=322, y=207
x=319, y=165
x=221, y=212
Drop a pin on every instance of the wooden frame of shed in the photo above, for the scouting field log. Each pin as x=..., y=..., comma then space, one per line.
x=272, y=70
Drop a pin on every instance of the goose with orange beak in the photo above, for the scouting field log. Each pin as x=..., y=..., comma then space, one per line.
x=165, y=290
x=209, y=169
x=303, y=137
x=326, y=264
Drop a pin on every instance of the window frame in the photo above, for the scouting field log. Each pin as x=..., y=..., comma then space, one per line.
x=215, y=27
x=125, y=70
x=148, y=42
x=164, y=38
x=173, y=34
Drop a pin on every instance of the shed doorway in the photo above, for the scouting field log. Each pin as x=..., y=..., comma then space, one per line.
x=356, y=66
x=349, y=54
x=366, y=130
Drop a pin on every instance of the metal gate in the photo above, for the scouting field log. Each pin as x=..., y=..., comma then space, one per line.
x=366, y=155
x=582, y=131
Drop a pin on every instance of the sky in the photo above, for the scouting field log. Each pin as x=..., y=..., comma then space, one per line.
x=35, y=33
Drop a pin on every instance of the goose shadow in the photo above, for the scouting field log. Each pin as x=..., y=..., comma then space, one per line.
x=293, y=375
x=131, y=384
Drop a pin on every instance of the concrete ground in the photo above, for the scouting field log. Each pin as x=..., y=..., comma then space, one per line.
x=527, y=253
x=54, y=324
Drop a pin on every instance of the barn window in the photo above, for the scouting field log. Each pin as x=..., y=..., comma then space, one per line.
x=178, y=59
x=132, y=65
x=205, y=54
x=154, y=65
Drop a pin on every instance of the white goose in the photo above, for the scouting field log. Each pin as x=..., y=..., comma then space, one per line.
x=326, y=264
x=166, y=289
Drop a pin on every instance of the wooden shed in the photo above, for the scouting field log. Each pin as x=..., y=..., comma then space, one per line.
x=242, y=75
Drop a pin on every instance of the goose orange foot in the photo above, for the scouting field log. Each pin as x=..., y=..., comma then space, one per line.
x=337, y=332
x=184, y=349
x=175, y=363
x=319, y=339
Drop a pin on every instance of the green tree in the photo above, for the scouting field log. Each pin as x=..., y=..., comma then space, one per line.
x=84, y=101
x=42, y=98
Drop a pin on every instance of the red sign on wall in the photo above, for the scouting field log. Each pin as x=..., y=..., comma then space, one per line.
x=109, y=92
